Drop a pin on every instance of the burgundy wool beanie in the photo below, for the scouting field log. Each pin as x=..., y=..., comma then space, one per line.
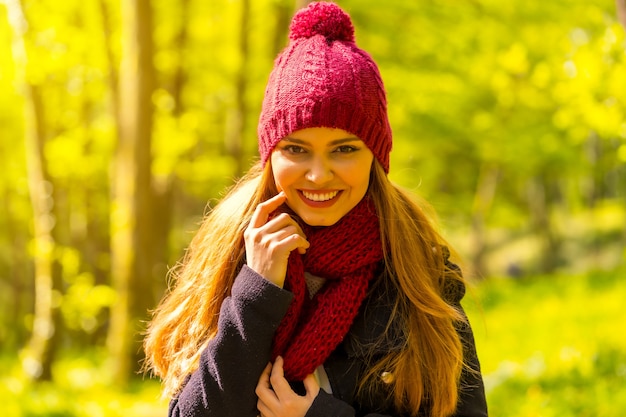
x=322, y=79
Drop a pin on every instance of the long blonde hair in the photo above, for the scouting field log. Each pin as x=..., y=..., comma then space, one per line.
x=429, y=366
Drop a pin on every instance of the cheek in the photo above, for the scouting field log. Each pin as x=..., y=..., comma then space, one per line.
x=363, y=186
x=359, y=176
x=368, y=167
x=282, y=174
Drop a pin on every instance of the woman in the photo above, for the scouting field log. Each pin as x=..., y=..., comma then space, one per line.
x=317, y=287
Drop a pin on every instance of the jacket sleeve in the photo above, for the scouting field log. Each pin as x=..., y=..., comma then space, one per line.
x=231, y=364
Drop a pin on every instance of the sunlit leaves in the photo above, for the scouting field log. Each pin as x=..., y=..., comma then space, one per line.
x=543, y=354
x=84, y=302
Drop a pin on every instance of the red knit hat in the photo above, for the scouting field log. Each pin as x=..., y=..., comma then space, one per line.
x=322, y=79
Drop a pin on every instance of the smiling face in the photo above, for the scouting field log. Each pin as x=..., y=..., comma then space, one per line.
x=324, y=173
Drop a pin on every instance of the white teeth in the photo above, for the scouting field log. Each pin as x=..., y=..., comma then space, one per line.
x=320, y=196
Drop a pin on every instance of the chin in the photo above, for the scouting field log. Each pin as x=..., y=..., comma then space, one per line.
x=317, y=221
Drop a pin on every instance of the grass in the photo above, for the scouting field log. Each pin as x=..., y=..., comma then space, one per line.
x=549, y=346
x=552, y=346
x=82, y=388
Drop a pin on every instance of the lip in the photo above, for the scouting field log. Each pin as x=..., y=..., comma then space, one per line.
x=327, y=202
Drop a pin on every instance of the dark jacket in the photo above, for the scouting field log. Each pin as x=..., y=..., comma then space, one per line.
x=230, y=366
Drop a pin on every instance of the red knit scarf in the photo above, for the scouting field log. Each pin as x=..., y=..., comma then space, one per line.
x=347, y=254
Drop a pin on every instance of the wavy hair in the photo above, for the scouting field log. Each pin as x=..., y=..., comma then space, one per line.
x=425, y=373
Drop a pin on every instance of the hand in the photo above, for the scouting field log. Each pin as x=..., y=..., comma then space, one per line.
x=277, y=399
x=270, y=241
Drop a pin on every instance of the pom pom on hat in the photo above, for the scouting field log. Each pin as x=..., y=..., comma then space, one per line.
x=326, y=19
x=322, y=79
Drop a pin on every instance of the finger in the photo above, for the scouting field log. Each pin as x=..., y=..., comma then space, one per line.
x=311, y=386
x=264, y=391
x=278, y=367
x=277, y=378
x=281, y=234
x=285, y=224
x=263, y=409
x=281, y=221
x=264, y=379
x=284, y=242
x=263, y=210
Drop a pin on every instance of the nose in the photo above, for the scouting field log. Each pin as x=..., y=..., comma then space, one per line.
x=319, y=170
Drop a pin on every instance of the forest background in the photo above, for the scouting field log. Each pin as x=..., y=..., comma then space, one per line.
x=120, y=120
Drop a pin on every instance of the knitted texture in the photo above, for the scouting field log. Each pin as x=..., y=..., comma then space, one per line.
x=347, y=254
x=322, y=79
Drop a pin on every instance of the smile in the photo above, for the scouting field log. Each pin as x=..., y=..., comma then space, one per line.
x=319, y=197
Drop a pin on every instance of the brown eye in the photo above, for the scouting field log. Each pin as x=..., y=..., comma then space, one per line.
x=294, y=149
x=346, y=149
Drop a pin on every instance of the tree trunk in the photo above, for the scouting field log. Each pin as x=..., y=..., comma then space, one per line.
x=282, y=12
x=620, y=6
x=142, y=296
x=131, y=254
x=164, y=186
x=621, y=16
x=594, y=190
x=17, y=275
x=483, y=200
x=40, y=352
x=43, y=342
x=180, y=76
x=540, y=204
x=92, y=237
x=237, y=126
x=114, y=87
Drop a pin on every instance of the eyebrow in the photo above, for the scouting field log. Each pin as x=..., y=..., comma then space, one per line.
x=332, y=142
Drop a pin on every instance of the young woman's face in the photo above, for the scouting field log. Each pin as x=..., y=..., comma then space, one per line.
x=324, y=173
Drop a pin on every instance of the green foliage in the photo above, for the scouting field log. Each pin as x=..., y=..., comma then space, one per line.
x=517, y=86
x=82, y=388
x=84, y=303
x=552, y=346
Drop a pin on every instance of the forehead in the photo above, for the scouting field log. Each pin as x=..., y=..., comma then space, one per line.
x=321, y=135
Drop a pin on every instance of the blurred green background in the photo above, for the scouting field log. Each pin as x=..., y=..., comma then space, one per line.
x=119, y=120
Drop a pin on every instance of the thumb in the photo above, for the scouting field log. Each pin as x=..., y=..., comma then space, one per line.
x=311, y=386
